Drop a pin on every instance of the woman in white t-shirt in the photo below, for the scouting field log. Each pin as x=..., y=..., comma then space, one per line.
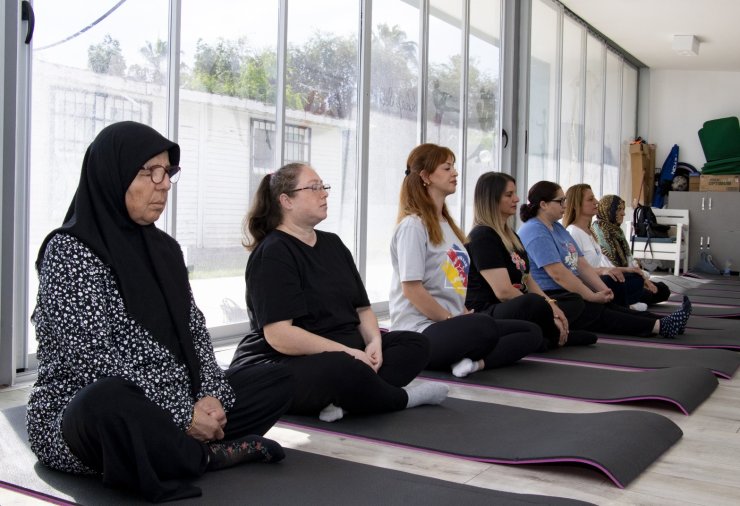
x=627, y=283
x=430, y=274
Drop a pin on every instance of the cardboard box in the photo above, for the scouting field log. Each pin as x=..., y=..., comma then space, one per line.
x=642, y=161
x=719, y=183
x=694, y=185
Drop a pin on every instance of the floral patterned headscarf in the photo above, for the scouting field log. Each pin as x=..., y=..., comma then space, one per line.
x=609, y=233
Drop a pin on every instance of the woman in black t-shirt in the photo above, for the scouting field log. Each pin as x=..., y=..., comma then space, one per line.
x=499, y=283
x=309, y=309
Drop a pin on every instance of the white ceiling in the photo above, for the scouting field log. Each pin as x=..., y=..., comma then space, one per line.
x=645, y=29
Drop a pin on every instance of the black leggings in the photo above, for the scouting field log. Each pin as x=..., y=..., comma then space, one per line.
x=478, y=336
x=338, y=378
x=112, y=427
x=605, y=318
x=529, y=307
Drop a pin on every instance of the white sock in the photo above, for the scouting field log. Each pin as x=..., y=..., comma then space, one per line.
x=465, y=367
x=331, y=413
x=639, y=306
x=426, y=393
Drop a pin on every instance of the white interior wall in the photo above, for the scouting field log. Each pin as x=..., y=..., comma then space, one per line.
x=679, y=102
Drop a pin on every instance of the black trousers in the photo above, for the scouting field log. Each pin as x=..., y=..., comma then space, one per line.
x=112, y=427
x=605, y=318
x=627, y=292
x=338, y=378
x=656, y=298
x=478, y=336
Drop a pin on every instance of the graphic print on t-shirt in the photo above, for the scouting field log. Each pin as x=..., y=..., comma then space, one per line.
x=456, y=267
x=571, y=259
x=521, y=266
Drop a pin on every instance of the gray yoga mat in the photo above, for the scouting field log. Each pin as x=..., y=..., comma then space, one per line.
x=684, y=387
x=727, y=326
x=691, y=338
x=698, y=309
x=687, y=286
x=691, y=283
x=712, y=300
x=621, y=444
x=707, y=292
x=722, y=363
x=716, y=279
x=302, y=478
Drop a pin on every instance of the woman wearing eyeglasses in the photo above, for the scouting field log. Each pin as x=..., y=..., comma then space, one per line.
x=559, y=267
x=310, y=312
x=430, y=276
x=128, y=386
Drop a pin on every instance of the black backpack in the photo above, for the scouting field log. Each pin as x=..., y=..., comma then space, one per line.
x=646, y=224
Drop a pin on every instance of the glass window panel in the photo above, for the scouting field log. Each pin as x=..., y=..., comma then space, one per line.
x=571, y=115
x=321, y=94
x=612, y=124
x=445, y=81
x=226, y=133
x=81, y=82
x=594, y=139
x=484, y=106
x=629, y=125
x=543, y=94
x=393, y=128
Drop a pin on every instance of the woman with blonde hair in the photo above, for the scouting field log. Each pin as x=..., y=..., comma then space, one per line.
x=499, y=283
x=430, y=276
x=625, y=282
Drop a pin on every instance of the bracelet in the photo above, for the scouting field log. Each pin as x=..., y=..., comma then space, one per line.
x=192, y=422
x=550, y=300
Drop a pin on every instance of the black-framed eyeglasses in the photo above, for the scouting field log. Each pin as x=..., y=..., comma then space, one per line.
x=314, y=188
x=560, y=201
x=157, y=172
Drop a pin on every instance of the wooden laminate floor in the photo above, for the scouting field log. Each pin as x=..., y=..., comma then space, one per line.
x=701, y=469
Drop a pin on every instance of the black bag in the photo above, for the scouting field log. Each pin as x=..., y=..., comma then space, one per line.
x=646, y=224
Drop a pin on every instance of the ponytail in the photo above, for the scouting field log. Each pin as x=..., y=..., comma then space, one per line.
x=527, y=212
x=266, y=213
x=543, y=191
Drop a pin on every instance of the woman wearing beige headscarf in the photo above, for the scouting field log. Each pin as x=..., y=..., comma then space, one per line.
x=609, y=234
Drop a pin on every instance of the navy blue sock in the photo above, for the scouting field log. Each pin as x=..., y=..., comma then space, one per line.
x=674, y=323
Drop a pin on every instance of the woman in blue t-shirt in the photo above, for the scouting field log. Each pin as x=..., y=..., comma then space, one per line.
x=310, y=312
x=430, y=276
x=558, y=267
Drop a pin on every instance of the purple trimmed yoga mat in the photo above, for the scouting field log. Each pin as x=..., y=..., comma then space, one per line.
x=728, y=326
x=302, y=478
x=621, y=444
x=680, y=284
x=699, y=309
x=707, y=300
x=722, y=363
x=691, y=338
x=716, y=279
x=683, y=387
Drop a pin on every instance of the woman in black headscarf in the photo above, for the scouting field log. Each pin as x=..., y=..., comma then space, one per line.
x=128, y=385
